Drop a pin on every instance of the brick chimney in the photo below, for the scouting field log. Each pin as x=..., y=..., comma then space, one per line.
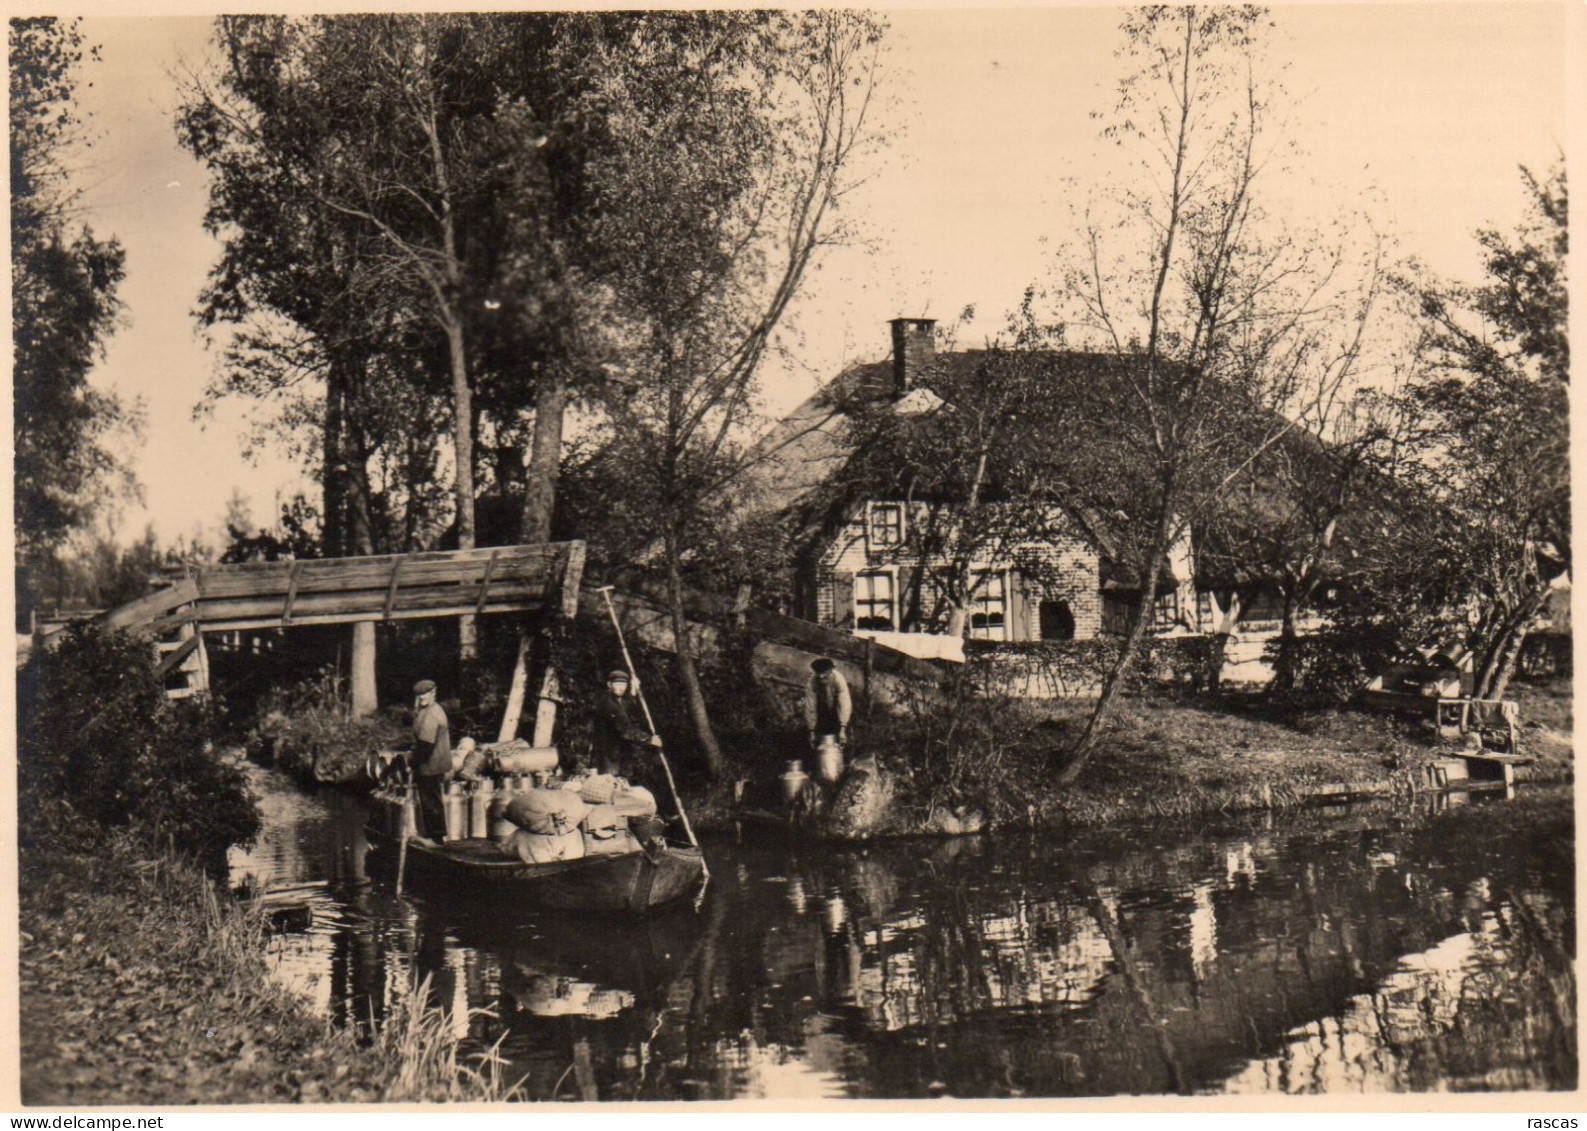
x=914, y=345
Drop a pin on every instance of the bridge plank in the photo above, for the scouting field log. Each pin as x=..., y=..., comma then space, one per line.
x=247, y=623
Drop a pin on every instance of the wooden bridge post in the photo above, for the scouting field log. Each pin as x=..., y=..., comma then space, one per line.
x=546, y=708
x=200, y=677
x=364, y=699
x=515, y=694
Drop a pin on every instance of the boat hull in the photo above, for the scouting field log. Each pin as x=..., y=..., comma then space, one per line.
x=634, y=883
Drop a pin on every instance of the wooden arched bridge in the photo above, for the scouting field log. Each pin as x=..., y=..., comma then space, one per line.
x=253, y=595
x=540, y=578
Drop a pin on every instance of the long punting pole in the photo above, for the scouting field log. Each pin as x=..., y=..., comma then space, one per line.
x=606, y=591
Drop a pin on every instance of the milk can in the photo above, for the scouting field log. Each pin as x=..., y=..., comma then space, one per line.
x=500, y=826
x=829, y=759
x=793, y=780
x=456, y=811
x=479, y=808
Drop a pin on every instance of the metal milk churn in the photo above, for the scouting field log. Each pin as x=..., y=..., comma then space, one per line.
x=456, y=811
x=793, y=780
x=479, y=808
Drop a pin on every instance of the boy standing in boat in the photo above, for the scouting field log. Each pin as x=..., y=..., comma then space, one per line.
x=431, y=759
x=621, y=738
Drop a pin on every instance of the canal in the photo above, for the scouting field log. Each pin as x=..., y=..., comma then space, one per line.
x=1423, y=946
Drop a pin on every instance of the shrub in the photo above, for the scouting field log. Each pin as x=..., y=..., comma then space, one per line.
x=1075, y=668
x=1336, y=662
x=972, y=745
x=98, y=738
x=305, y=729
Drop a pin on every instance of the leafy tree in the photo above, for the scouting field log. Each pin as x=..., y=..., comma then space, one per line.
x=1495, y=442
x=1294, y=519
x=1218, y=323
x=64, y=305
x=710, y=253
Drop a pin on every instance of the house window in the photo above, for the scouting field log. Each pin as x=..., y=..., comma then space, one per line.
x=1118, y=612
x=884, y=525
x=988, y=607
x=875, y=601
x=1166, y=613
x=1057, y=621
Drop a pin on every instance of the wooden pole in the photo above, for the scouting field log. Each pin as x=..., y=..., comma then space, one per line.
x=606, y=591
x=546, y=707
x=407, y=832
x=364, y=698
x=202, y=666
x=520, y=679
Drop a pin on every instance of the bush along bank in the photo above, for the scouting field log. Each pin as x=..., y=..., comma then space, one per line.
x=139, y=980
x=307, y=730
x=978, y=758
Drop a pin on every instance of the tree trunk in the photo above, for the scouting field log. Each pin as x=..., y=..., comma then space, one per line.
x=450, y=315
x=333, y=482
x=1081, y=754
x=1505, y=651
x=540, y=476
x=1217, y=652
x=360, y=539
x=1228, y=618
x=1288, y=645
x=365, y=701
x=516, y=691
x=360, y=519
x=1512, y=656
x=463, y=441
x=687, y=672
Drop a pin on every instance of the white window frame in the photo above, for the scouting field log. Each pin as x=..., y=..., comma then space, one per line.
x=889, y=572
x=978, y=576
x=871, y=545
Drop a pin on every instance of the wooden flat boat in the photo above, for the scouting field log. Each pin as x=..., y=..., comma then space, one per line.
x=632, y=882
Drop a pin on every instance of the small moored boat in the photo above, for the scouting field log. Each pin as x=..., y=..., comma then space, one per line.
x=633, y=882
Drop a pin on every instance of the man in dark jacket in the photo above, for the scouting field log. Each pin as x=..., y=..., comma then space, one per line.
x=431, y=759
x=622, y=740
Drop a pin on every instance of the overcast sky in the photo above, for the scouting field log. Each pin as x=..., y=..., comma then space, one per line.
x=1425, y=110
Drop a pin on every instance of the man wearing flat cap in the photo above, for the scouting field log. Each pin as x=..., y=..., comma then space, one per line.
x=431, y=759
x=622, y=740
x=828, y=704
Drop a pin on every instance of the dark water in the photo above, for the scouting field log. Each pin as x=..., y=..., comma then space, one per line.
x=1423, y=947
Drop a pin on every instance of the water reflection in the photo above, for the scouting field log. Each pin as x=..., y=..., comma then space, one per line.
x=1337, y=950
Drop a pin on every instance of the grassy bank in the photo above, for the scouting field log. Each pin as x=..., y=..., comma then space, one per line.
x=1163, y=755
x=140, y=985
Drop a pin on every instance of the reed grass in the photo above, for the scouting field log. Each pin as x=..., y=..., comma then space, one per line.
x=417, y=1038
x=156, y=917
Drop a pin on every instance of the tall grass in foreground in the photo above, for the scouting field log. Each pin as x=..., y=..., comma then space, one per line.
x=158, y=916
x=417, y=1040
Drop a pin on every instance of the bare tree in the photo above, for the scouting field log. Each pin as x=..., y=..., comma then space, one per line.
x=1221, y=324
